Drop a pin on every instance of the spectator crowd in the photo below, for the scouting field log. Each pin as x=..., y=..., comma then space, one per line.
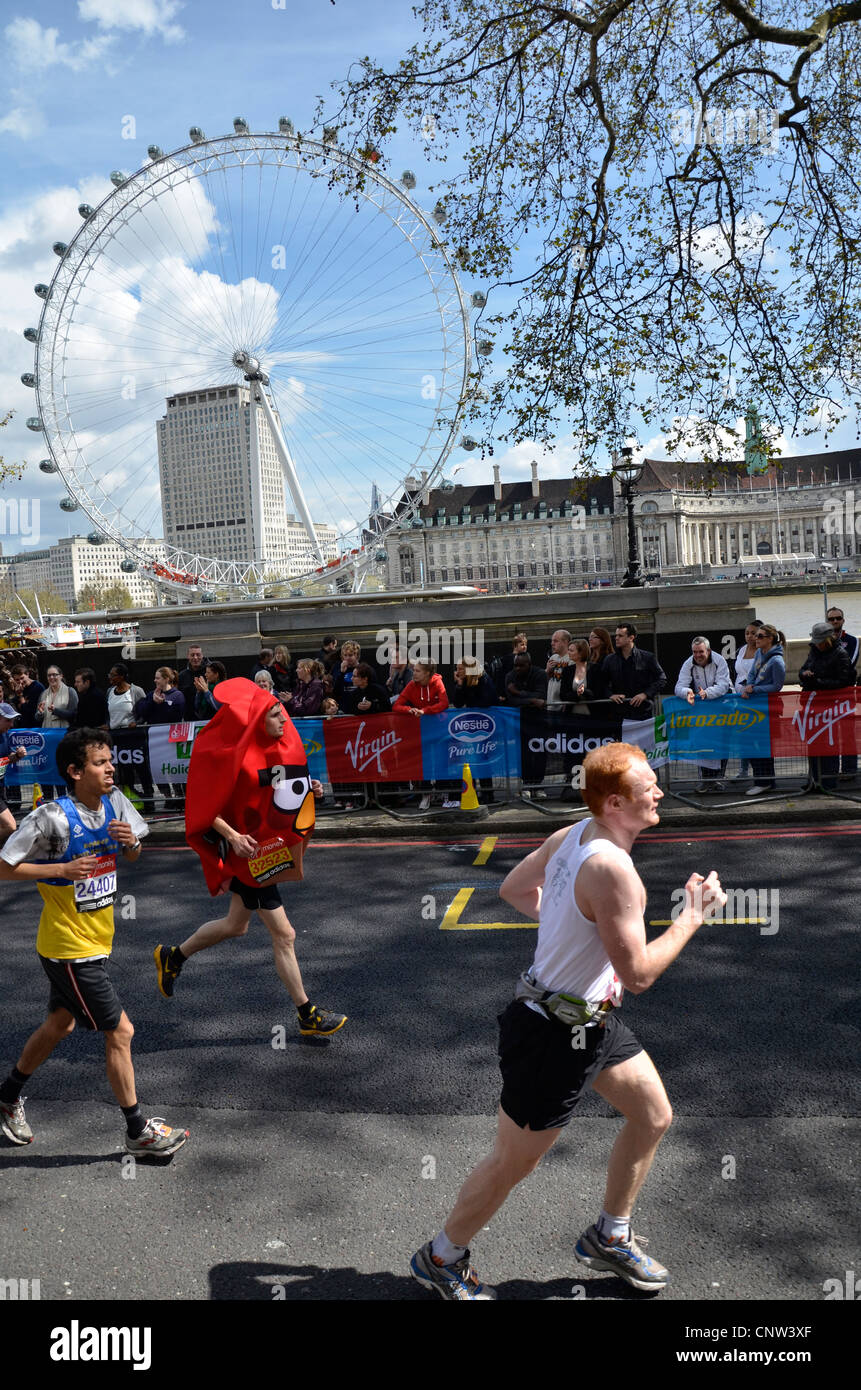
x=579, y=674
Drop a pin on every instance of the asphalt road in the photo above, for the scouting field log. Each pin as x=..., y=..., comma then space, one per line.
x=314, y=1171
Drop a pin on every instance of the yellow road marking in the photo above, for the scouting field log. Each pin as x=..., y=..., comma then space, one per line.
x=722, y=921
x=451, y=921
x=487, y=848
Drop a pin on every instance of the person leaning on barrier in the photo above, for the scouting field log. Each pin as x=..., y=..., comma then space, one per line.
x=826, y=667
x=848, y=761
x=368, y=696
x=743, y=662
x=307, y=698
x=473, y=688
x=767, y=677
x=600, y=646
x=399, y=675
x=558, y=662
x=633, y=676
x=705, y=676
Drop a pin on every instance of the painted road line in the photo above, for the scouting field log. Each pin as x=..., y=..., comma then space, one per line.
x=486, y=850
x=718, y=922
x=451, y=921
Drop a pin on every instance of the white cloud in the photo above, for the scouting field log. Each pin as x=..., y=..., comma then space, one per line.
x=557, y=460
x=150, y=16
x=33, y=49
x=23, y=121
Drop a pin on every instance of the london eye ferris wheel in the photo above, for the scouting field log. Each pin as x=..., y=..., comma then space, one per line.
x=293, y=270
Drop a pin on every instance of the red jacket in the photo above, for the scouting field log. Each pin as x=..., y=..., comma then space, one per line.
x=430, y=698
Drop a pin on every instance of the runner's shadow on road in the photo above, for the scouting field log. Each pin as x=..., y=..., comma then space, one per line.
x=25, y=1159
x=271, y=1283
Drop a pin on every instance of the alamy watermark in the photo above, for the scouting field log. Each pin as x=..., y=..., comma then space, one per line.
x=744, y=907
x=743, y=126
x=443, y=645
x=20, y=519
x=843, y=515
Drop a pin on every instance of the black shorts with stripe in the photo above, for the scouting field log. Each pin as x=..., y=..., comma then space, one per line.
x=543, y=1074
x=85, y=988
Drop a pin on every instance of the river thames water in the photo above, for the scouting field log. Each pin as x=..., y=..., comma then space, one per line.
x=795, y=613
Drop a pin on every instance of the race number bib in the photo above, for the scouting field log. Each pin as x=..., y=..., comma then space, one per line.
x=272, y=858
x=100, y=889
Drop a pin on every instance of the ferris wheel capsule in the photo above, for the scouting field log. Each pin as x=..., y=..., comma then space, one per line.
x=59, y=248
x=96, y=538
x=286, y=126
x=41, y=290
x=35, y=424
x=478, y=300
x=155, y=152
x=47, y=466
x=330, y=135
x=381, y=556
x=32, y=335
x=439, y=214
x=240, y=125
x=408, y=179
x=128, y=566
x=28, y=379
x=118, y=178
x=484, y=348
x=468, y=443
x=85, y=211
x=196, y=135
x=68, y=504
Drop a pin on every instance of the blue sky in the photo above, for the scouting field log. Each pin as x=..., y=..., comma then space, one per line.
x=75, y=70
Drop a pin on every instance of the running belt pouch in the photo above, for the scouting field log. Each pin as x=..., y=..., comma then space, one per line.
x=258, y=784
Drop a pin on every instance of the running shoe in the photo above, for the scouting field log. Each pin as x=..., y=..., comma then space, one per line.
x=167, y=972
x=13, y=1122
x=320, y=1024
x=157, y=1137
x=457, y=1283
x=622, y=1257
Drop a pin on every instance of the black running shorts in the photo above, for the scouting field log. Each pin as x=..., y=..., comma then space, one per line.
x=3, y=806
x=85, y=988
x=265, y=896
x=543, y=1076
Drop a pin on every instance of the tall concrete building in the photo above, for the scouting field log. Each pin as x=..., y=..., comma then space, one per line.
x=222, y=486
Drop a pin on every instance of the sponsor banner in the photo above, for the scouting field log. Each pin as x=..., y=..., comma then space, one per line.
x=651, y=736
x=487, y=739
x=380, y=748
x=729, y=727
x=170, y=755
x=40, y=764
x=818, y=723
x=310, y=730
x=553, y=743
x=130, y=752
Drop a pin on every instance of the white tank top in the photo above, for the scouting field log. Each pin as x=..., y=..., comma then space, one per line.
x=570, y=955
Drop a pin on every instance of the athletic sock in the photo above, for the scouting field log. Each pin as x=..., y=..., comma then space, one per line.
x=613, y=1227
x=305, y=1010
x=444, y=1249
x=176, y=959
x=135, y=1122
x=10, y=1091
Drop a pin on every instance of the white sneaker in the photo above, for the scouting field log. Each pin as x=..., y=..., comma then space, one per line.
x=424, y=804
x=757, y=791
x=540, y=795
x=527, y=796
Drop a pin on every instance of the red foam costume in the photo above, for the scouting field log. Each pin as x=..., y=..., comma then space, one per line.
x=259, y=784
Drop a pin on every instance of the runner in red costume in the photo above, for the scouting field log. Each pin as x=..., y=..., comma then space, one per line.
x=249, y=814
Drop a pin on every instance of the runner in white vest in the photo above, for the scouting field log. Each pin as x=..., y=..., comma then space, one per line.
x=562, y=1032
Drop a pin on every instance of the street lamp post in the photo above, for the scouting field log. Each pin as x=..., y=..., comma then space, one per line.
x=629, y=474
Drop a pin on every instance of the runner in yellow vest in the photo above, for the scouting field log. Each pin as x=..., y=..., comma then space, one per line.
x=70, y=847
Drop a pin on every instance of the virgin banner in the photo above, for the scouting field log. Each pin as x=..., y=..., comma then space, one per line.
x=817, y=723
x=377, y=748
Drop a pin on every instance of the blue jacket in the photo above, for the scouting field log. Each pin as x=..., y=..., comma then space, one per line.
x=768, y=671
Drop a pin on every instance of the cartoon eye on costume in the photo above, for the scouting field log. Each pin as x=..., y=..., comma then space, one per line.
x=290, y=787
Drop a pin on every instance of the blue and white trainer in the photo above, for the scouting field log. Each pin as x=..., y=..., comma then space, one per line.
x=622, y=1257
x=457, y=1282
